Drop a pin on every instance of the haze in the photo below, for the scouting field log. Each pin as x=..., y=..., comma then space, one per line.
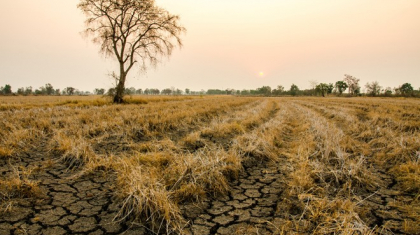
x=239, y=44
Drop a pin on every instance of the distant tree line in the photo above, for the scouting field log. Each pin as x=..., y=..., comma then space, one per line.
x=48, y=89
x=348, y=83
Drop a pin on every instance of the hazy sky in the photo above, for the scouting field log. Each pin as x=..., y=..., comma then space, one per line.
x=227, y=44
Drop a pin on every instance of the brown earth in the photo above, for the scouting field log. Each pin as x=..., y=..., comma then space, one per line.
x=68, y=204
x=250, y=206
x=85, y=205
x=65, y=204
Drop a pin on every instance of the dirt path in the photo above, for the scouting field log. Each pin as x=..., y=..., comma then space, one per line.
x=249, y=207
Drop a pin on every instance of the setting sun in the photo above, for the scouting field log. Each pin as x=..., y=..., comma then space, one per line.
x=261, y=73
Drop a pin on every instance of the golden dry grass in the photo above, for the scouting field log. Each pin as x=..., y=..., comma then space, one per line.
x=17, y=185
x=335, y=152
x=341, y=158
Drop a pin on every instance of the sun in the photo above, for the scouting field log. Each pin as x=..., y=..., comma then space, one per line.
x=261, y=73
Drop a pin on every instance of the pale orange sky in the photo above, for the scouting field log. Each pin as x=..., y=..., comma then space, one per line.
x=227, y=45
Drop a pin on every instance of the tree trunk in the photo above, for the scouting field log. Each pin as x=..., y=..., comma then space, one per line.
x=119, y=91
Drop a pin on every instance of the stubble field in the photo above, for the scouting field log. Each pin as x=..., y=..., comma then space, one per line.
x=209, y=165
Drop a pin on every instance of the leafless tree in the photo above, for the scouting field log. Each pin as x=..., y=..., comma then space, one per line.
x=353, y=84
x=135, y=32
x=373, y=88
x=313, y=83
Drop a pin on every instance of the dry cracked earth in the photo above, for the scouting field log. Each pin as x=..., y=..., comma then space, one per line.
x=250, y=206
x=65, y=204
x=85, y=205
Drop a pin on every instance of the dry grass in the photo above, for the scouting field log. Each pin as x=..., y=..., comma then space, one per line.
x=336, y=153
x=339, y=160
x=17, y=185
x=137, y=141
x=29, y=102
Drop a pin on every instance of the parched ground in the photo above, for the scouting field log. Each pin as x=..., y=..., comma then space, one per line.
x=293, y=166
x=70, y=205
x=249, y=208
x=64, y=203
x=85, y=205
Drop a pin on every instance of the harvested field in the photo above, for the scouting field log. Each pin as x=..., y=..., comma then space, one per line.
x=210, y=165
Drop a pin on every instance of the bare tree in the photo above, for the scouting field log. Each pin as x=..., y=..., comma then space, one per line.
x=373, y=88
x=313, y=84
x=135, y=32
x=353, y=84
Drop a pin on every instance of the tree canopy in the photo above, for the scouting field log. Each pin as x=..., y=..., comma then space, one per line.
x=294, y=89
x=341, y=86
x=406, y=89
x=324, y=88
x=134, y=32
